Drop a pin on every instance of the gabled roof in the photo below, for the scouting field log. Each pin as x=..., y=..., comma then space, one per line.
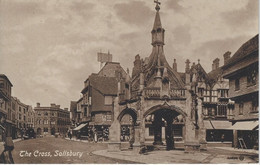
x=245, y=50
x=105, y=85
x=200, y=70
x=214, y=75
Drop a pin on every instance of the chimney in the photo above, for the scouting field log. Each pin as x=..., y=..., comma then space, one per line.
x=215, y=64
x=187, y=68
x=53, y=105
x=38, y=105
x=66, y=109
x=226, y=56
x=174, y=65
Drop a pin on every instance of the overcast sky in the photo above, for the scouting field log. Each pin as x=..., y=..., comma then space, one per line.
x=48, y=48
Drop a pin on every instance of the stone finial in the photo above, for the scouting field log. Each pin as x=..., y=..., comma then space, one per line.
x=174, y=65
x=187, y=68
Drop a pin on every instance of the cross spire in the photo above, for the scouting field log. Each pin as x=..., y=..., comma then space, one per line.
x=157, y=8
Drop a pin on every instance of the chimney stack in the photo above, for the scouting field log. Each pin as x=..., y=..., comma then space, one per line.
x=66, y=109
x=215, y=64
x=226, y=56
x=38, y=104
x=174, y=65
x=53, y=105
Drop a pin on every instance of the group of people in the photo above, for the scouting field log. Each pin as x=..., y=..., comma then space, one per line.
x=6, y=143
x=92, y=134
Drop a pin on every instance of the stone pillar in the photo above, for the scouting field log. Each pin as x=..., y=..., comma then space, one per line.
x=169, y=135
x=132, y=135
x=157, y=129
x=114, y=130
x=191, y=143
x=142, y=119
x=202, y=130
x=137, y=145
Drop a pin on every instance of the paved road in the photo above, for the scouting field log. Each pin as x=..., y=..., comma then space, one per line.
x=51, y=150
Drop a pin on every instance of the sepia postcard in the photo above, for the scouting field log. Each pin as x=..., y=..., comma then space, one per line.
x=129, y=82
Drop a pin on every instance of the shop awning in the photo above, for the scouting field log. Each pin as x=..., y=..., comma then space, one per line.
x=79, y=127
x=216, y=124
x=244, y=125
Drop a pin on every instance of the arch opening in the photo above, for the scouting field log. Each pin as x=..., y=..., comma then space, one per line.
x=127, y=119
x=163, y=125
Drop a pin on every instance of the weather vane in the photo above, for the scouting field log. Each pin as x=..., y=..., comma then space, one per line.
x=157, y=5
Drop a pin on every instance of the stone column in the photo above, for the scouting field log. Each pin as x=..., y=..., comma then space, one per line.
x=132, y=135
x=137, y=145
x=114, y=130
x=202, y=130
x=142, y=119
x=169, y=135
x=157, y=129
x=191, y=143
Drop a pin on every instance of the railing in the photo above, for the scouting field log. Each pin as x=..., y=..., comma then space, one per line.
x=156, y=93
x=179, y=93
x=152, y=92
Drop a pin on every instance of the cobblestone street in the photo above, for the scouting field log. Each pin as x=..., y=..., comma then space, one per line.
x=43, y=151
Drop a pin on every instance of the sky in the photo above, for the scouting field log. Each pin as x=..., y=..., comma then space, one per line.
x=48, y=48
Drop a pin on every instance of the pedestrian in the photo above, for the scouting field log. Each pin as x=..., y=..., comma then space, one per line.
x=69, y=135
x=222, y=138
x=95, y=137
x=6, y=143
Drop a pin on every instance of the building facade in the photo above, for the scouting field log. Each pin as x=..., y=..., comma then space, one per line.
x=242, y=71
x=5, y=103
x=96, y=104
x=51, y=120
x=30, y=120
x=21, y=113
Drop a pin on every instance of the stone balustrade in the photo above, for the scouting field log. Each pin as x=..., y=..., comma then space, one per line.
x=156, y=93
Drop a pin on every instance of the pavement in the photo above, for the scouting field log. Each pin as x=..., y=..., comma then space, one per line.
x=211, y=156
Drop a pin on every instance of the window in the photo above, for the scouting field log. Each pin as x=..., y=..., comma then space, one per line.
x=20, y=109
x=45, y=129
x=108, y=100
x=200, y=90
x=85, y=111
x=222, y=110
x=45, y=122
x=46, y=114
x=255, y=104
x=237, y=85
x=109, y=117
x=252, y=76
x=241, y=107
x=39, y=122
